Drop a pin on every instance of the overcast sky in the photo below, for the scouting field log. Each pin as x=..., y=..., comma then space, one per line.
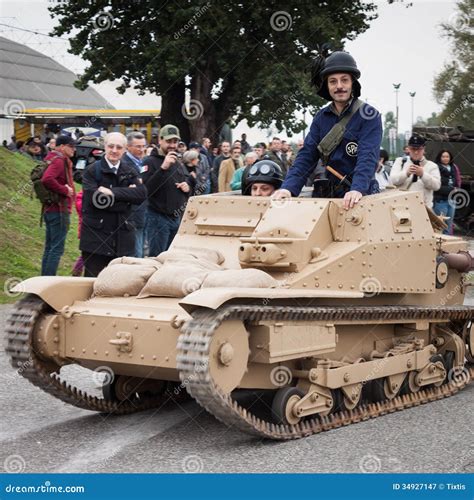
x=404, y=45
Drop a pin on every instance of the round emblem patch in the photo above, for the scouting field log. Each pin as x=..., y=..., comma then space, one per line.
x=351, y=148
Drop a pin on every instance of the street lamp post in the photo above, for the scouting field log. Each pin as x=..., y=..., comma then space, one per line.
x=412, y=95
x=396, y=87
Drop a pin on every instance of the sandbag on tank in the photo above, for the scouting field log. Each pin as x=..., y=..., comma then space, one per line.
x=240, y=278
x=187, y=253
x=123, y=279
x=147, y=261
x=176, y=279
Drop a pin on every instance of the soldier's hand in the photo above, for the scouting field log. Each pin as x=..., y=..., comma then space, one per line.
x=70, y=191
x=280, y=194
x=351, y=199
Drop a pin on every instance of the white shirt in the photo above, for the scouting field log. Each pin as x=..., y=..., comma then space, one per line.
x=113, y=167
x=429, y=182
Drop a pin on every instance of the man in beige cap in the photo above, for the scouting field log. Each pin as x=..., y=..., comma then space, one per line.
x=169, y=184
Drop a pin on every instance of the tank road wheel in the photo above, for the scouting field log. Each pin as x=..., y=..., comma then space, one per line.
x=468, y=335
x=123, y=388
x=283, y=404
x=383, y=389
x=228, y=355
x=448, y=361
x=410, y=384
x=342, y=402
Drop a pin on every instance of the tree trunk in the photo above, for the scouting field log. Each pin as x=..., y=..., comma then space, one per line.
x=172, y=103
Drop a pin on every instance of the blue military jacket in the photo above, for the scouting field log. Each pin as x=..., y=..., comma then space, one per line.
x=357, y=154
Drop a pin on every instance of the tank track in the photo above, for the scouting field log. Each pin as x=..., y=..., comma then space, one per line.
x=193, y=356
x=19, y=329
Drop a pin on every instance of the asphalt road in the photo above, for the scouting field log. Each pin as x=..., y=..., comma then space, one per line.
x=41, y=434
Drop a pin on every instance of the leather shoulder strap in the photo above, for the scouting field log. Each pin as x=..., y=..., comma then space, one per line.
x=334, y=137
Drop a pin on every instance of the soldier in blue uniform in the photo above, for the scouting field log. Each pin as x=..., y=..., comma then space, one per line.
x=349, y=154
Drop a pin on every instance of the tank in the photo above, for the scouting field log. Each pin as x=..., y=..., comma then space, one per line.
x=365, y=316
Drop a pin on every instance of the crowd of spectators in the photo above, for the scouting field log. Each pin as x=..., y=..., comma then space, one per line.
x=133, y=198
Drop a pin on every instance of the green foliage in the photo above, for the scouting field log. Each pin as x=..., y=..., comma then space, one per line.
x=389, y=122
x=21, y=237
x=432, y=121
x=239, y=60
x=453, y=87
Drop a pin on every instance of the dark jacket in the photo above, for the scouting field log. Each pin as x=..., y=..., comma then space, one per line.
x=450, y=180
x=138, y=216
x=281, y=162
x=357, y=154
x=105, y=229
x=163, y=195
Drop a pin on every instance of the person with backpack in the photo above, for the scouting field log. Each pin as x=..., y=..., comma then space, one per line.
x=57, y=202
x=345, y=135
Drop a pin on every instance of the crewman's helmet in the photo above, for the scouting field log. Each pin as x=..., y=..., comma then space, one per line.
x=337, y=62
x=265, y=171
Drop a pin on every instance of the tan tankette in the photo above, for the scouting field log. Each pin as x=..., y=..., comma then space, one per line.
x=353, y=314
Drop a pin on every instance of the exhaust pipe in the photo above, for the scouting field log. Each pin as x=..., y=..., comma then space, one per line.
x=462, y=261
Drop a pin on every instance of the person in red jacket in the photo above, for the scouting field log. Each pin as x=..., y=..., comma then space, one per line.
x=58, y=178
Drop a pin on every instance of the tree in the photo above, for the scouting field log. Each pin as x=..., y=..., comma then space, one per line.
x=433, y=120
x=389, y=122
x=453, y=87
x=237, y=60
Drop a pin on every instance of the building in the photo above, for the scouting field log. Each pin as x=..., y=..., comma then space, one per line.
x=29, y=79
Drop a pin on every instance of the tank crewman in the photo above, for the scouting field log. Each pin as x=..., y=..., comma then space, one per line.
x=352, y=159
x=262, y=178
x=416, y=173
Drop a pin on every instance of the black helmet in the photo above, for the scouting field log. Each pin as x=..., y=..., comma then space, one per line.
x=265, y=171
x=338, y=62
